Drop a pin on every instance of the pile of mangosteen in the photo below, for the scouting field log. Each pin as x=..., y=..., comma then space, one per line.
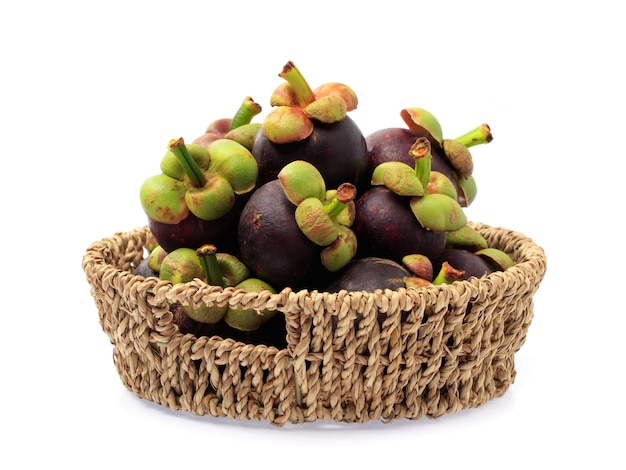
x=303, y=200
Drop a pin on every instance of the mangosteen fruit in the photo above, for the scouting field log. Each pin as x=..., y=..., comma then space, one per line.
x=386, y=227
x=311, y=125
x=270, y=242
x=368, y=274
x=393, y=144
x=337, y=150
x=470, y=264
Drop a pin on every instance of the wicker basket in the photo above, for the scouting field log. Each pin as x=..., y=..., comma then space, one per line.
x=348, y=357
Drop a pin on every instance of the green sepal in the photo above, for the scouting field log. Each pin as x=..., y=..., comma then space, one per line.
x=245, y=134
x=315, y=223
x=235, y=163
x=438, y=212
x=213, y=201
x=440, y=183
x=467, y=190
x=467, y=238
x=301, y=180
x=498, y=258
x=248, y=319
x=171, y=166
x=336, y=255
x=399, y=178
x=163, y=199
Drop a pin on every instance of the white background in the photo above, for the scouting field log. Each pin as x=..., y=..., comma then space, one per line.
x=92, y=91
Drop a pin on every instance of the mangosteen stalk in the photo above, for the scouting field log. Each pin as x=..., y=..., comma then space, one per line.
x=346, y=192
x=303, y=92
x=248, y=109
x=210, y=265
x=448, y=274
x=192, y=170
x=479, y=135
x=420, y=152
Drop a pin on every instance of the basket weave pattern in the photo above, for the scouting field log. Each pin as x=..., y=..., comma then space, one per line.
x=350, y=356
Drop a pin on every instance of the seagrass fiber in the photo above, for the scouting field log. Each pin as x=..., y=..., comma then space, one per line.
x=347, y=357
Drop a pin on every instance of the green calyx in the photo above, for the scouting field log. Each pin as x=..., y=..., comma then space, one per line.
x=456, y=151
x=448, y=274
x=245, y=134
x=210, y=266
x=467, y=190
x=317, y=219
x=438, y=212
x=301, y=180
x=249, y=319
x=190, y=167
x=466, y=238
x=197, y=179
x=235, y=163
x=181, y=265
x=497, y=258
x=216, y=269
x=336, y=255
x=423, y=123
x=296, y=106
x=163, y=199
x=324, y=217
x=212, y=272
x=400, y=177
x=433, y=195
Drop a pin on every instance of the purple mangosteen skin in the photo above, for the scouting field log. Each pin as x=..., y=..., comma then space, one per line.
x=368, y=274
x=393, y=144
x=386, y=227
x=337, y=150
x=193, y=232
x=470, y=263
x=271, y=243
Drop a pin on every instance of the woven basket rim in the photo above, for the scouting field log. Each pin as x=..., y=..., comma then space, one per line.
x=530, y=264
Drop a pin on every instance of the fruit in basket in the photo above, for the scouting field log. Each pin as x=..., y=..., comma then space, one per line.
x=432, y=200
x=261, y=191
x=191, y=202
x=393, y=144
x=455, y=151
x=386, y=227
x=311, y=125
x=470, y=264
x=368, y=274
x=404, y=212
x=291, y=217
x=186, y=264
x=270, y=242
x=450, y=157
